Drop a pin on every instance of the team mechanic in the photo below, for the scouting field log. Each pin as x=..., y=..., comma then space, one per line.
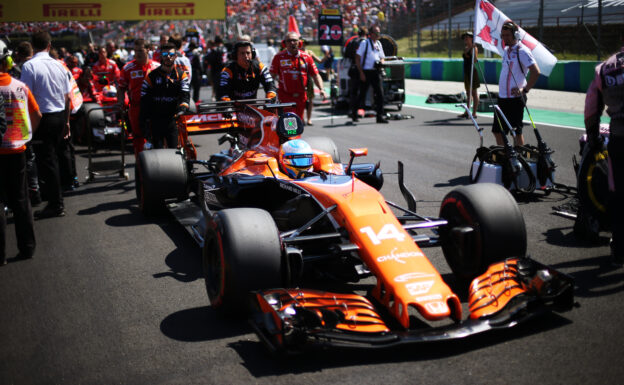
x=512, y=84
x=19, y=117
x=292, y=68
x=131, y=80
x=607, y=88
x=164, y=96
x=241, y=77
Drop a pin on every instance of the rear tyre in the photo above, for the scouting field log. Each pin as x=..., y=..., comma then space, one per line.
x=242, y=252
x=325, y=144
x=159, y=175
x=485, y=226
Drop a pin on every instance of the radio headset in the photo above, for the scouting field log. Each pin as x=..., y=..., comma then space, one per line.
x=234, y=52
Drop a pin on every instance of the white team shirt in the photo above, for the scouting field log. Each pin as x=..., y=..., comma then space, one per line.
x=375, y=53
x=512, y=74
x=48, y=80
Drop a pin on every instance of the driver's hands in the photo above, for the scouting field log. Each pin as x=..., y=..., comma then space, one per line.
x=148, y=146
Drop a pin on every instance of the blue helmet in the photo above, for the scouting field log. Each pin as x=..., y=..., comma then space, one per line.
x=295, y=156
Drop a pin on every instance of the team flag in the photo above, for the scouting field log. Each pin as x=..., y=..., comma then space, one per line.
x=488, y=23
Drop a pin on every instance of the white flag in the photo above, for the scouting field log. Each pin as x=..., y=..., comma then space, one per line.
x=488, y=23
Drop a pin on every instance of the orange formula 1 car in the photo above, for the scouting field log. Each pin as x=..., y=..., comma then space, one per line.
x=267, y=234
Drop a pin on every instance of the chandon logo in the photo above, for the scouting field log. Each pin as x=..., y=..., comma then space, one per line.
x=399, y=257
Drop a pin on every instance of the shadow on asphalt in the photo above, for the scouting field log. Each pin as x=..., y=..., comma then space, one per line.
x=261, y=364
x=450, y=122
x=564, y=237
x=202, y=324
x=459, y=181
x=185, y=261
x=595, y=276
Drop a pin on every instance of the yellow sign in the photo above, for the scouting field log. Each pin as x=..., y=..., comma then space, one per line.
x=330, y=11
x=84, y=10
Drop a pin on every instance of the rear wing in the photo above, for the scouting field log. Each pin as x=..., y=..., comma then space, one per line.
x=218, y=117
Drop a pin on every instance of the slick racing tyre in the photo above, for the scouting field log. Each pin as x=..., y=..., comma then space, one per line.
x=93, y=119
x=484, y=226
x=325, y=144
x=593, y=188
x=242, y=252
x=159, y=175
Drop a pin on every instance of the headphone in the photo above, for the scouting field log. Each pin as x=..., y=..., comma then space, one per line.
x=234, y=51
x=513, y=27
x=299, y=45
x=6, y=56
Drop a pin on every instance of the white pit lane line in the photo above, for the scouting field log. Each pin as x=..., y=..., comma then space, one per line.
x=328, y=117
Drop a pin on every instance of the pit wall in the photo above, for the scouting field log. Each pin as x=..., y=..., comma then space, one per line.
x=574, y=76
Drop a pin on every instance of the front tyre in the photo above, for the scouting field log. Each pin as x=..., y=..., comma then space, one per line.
x=485, y=226
x=242, y=252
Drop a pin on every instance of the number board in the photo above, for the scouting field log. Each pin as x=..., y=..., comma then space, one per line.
x=330, y=27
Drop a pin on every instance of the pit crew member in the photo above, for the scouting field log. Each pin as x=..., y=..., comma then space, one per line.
x=512, y=84
x=130, y=80
x=105, y=67
x=20, y=117
x=242, y=76
x=164, y=96
x=607, y=88
x=293, y=69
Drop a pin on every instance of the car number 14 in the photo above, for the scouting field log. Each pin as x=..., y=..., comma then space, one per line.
x=389, y=231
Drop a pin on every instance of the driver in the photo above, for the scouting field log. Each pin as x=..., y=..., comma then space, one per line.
x=296, y=156
x=241, y=77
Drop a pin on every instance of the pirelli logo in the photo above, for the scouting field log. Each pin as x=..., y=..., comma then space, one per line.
x=166, y=9
x=72, y=10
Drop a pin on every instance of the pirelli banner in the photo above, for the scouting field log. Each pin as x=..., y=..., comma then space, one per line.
x=81, y=10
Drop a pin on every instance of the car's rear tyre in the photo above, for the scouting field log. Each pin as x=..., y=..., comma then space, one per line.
x=159, y=175
x=325, y=144
x=485, y=226
x=242, y=252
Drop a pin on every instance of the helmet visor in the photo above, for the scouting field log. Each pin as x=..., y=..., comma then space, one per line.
x=299, y=160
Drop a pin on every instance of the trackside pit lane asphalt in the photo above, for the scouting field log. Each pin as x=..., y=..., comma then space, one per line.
x=550, y=108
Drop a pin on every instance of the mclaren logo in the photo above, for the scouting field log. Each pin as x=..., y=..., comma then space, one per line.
x=166, y=9
x=72, y=10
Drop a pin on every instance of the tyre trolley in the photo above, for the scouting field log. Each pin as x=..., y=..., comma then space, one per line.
x=108, y=168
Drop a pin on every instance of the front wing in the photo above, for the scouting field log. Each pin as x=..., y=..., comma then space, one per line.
x=509, y=293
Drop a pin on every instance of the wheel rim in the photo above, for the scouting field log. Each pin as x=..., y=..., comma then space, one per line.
x=461, y=258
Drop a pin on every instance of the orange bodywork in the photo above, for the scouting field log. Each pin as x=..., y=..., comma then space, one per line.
x=405, y=277
x=492, y=291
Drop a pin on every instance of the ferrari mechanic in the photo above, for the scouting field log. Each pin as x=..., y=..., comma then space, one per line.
x=241, y=77
x=131, y=79
x=164, y=95
x=293, y=69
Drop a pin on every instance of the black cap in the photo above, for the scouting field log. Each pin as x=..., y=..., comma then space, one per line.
x=467, y=33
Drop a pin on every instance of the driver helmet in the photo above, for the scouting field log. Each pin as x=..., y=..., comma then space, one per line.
x=109, y=91
x=295, y=156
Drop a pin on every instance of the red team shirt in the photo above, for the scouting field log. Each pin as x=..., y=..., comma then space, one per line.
x=108, y=68
x=131, y=78
x=293, y=71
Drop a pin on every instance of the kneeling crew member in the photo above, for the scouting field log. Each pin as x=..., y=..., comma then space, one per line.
x=164, y=96
x=241, y=77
